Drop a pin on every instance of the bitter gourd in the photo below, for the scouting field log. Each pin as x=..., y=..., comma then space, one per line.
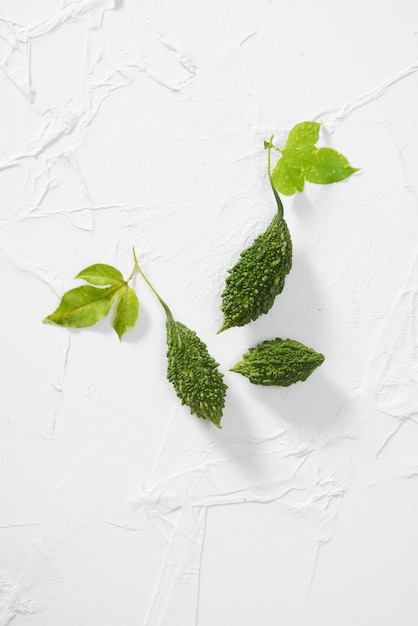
x=258, y=277
x=191, y=369
x=278, y=362
x=194, y=373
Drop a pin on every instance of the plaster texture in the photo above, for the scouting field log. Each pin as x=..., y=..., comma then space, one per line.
x=141, y=123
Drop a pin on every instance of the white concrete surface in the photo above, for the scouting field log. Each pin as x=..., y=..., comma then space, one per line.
x=139, y=122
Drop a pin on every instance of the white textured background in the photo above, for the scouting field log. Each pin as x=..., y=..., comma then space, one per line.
x=141, y=122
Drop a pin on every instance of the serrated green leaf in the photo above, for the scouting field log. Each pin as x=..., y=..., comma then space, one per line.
x=83, y=306
x=279, y=362
x=101, y=274
x=325, y=165
x=303, y=134
x=287, y=177
x=127, y=310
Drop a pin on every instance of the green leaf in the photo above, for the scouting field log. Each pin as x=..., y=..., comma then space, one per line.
x=127, y=311
x=301, y=160
x=287, y=177
x=303, y=134
x=82, y=307
x=279, y=362
x=325, y=165
x=101, y=274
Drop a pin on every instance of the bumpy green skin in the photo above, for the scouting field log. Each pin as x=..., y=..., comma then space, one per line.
x=278, y=362
x=258, y=277
x=194, y=373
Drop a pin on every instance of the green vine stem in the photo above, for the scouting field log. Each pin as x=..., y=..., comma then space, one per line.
x=161, y=301
x=280, y=209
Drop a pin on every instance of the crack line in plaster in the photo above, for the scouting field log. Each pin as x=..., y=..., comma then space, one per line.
x=59, y=386
x=19, y=524
x=409, y=186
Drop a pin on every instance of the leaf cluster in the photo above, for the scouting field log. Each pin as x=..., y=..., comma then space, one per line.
x=301, y=160
x=86, y=305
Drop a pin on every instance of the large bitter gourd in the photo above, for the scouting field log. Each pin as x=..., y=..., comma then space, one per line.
x=278, y=362
x=194, y=373
x=258, y=277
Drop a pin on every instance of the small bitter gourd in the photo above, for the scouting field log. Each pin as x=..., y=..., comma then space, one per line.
x=258, y=277
x=278, y=362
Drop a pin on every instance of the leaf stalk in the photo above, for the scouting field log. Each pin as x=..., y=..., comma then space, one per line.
x=161, y=301
x=280, y=209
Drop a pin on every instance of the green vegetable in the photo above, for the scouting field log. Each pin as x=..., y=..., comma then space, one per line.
x=301, y=160
x=192, y=371
x=278, y=362
x=258, y=277
x=84, y=306
x=250, y=290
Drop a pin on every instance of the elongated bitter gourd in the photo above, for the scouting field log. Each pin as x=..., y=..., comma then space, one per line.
x=258, y=277
x=278, y=362
x=191, y=369
x=194, y=373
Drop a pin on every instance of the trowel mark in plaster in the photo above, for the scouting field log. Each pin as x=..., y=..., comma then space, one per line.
x=409, y=186
x=13, y=602
x=199, y=506
x=325, y=534
x=181, y=564
x=20, y=259
x=64, y=129
x=389, y=377
x=333, y=115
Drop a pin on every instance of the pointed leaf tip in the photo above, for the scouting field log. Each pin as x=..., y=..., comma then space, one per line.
x=101, y=274
x=126, y=312
x=83, y=306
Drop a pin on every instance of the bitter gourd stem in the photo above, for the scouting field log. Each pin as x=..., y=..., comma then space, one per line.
x=276, y=195
x=161, y=301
